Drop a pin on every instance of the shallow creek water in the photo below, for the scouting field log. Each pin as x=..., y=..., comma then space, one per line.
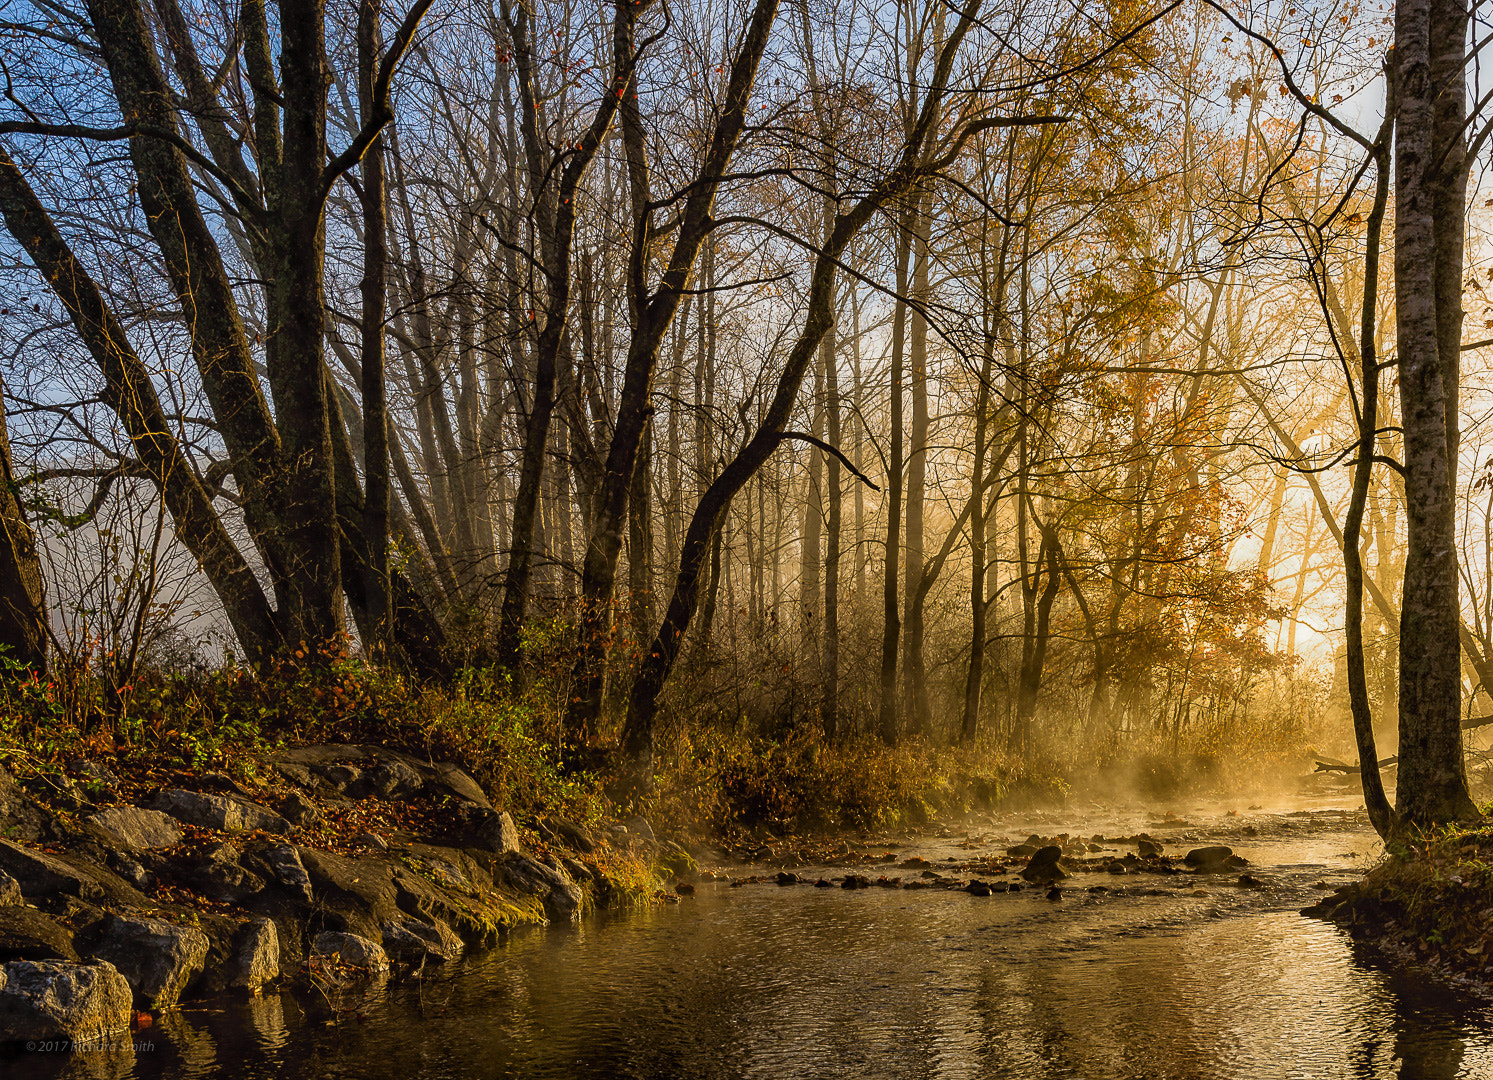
x=769, y=981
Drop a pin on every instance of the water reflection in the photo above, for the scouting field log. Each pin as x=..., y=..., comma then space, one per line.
x=767, y=982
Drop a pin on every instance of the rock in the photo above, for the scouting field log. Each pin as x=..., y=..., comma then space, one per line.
x=978, y=888
x=1016, y=886
x=1056, y=893
x=561, y=897
x=228, y=813
x=454, y=782
x=256, y=956
x=284, y=865
x=579, y=872
x=350, y=950
x=496, y=832
x=787, y=877
x=296, y=774
x=412, y=940
x=10, y=890
x=822, y=884
x=683, y=889
x=157, y=957
x=297, y=809
x=372, y=840
x=27, y=934
x=345, y=778
x=41, y=875
x=1115, y=867
x=856, y=881
x=61, y=999
x=393, y=779
x=999, y=887
x=131, y=869
x=573, y=835
x=1209, y=859
x=1021, y=851
x=1148, y=848
x=1043, y=869
x=1249, y=881
x=137, y=828
x=219, y=876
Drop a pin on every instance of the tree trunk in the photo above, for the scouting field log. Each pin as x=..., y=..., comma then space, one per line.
x=891, y=567
x=23, y=594
x=1430, y=181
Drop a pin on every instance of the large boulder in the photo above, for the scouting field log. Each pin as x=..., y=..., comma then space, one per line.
x=1042, y=868
x=157, y=957
x=60, y=999
x=256, y=956
x=42, y=875
x=27, y=934
x=349, y=951
x=20, y=816
x=137, y=828
x=228, y=813
x=562, y=898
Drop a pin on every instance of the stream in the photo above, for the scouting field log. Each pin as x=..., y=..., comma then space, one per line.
x=1162, y=978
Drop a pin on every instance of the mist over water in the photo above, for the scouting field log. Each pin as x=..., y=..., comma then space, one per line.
x=1148, y=980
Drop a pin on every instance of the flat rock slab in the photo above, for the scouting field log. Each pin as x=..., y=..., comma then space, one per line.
x=158, y=958
x=27, y=934
x=43, y=875
x=137, y=828
x=227, y=813
x=61, y=999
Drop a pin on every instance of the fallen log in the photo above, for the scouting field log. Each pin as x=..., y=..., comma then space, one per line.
x=1338, y=766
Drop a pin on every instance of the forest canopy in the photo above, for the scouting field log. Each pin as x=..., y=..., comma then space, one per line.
x=1040, y=374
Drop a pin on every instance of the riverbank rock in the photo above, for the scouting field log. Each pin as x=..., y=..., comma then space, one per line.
x=1043, y=868
x=226, y=813
x=58, y=999
x=1148, y=849
x=256, y=956
x=27, y=934
x=218, y=875
x=351, y=952
x=496, y=832
x=137, y=828
x=412, y=940
x=282, y=863
x=158, y=958
x=10, y=890
x=42, y=875
x=360, y=772
x=561, y=897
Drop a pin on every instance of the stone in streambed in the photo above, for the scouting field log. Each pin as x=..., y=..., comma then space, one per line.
x=1148, y=848
x=1043, y=867
x=977, y=888
x=1210, y=860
